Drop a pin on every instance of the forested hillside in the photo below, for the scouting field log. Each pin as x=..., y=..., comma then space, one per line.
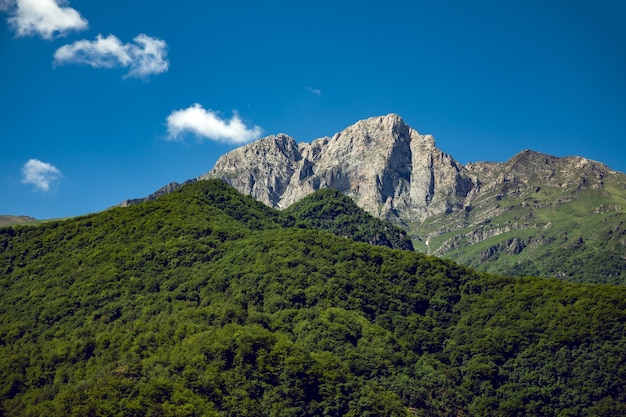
x=330, y=210
x=207, y=303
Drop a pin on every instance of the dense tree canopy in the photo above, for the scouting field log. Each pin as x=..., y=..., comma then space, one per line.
x=206, y=303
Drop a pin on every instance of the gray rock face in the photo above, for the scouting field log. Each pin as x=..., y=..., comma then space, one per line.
x=386, y=167
x=262, y=169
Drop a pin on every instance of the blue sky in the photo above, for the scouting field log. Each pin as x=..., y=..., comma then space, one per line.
x=107, y=100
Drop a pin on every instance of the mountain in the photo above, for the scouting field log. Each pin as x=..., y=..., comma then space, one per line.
x=388, y=169
x=532, y=215
x=539, y=215
x=6, y=219
x=205, y=302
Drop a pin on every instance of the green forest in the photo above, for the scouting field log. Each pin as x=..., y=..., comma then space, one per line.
x=205, y=302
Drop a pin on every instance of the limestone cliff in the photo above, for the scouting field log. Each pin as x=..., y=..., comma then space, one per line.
x=388, y=168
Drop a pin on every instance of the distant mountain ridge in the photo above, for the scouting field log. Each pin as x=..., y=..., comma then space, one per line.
x=483, y=214
x=7, y=219
x=172, y=186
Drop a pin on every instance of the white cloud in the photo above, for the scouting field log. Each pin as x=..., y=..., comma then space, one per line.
x=209, y=125
x=106, y=52
x=144, y=57
x=45, y=18
x=40, y=174
x=149, y=56
x=315, y=91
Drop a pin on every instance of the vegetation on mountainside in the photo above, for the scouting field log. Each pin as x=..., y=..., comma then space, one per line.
x=202, y=303
x=571, y=226
x=330, y=210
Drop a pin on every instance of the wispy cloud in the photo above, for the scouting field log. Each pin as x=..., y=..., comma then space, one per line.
x=314, y=91
x=208, y=124
x=45, y=18
x=40, y=174
x=145, y=57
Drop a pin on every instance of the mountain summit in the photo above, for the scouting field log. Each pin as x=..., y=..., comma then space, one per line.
x=535, y=214
x=385, y=166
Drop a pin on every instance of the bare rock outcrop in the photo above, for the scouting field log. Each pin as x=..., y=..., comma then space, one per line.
x=386, y=167
x=262, y=169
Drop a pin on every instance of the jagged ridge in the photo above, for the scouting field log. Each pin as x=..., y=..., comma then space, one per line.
x=388, y=168
x=397, y=174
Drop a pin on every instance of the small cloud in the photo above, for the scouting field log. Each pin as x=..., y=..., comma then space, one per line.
x=45, y=18
x=314, y=91
x=208, y=124
x=40, y=174
x=144, y=57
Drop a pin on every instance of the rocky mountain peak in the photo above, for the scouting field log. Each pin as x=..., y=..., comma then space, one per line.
x=386, y=127
x=382, y=130
x=388, y=168
x=531, y=169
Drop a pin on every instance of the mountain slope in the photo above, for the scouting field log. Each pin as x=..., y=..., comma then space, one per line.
x=328, y=209
x=539, y=215
x=7, y=220
x=325, y=209
x=202, y=302
x=533, y=215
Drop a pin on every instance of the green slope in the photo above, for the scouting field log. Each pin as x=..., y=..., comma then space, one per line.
x=202, y=303
x=330, y=210
x=539, y=215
